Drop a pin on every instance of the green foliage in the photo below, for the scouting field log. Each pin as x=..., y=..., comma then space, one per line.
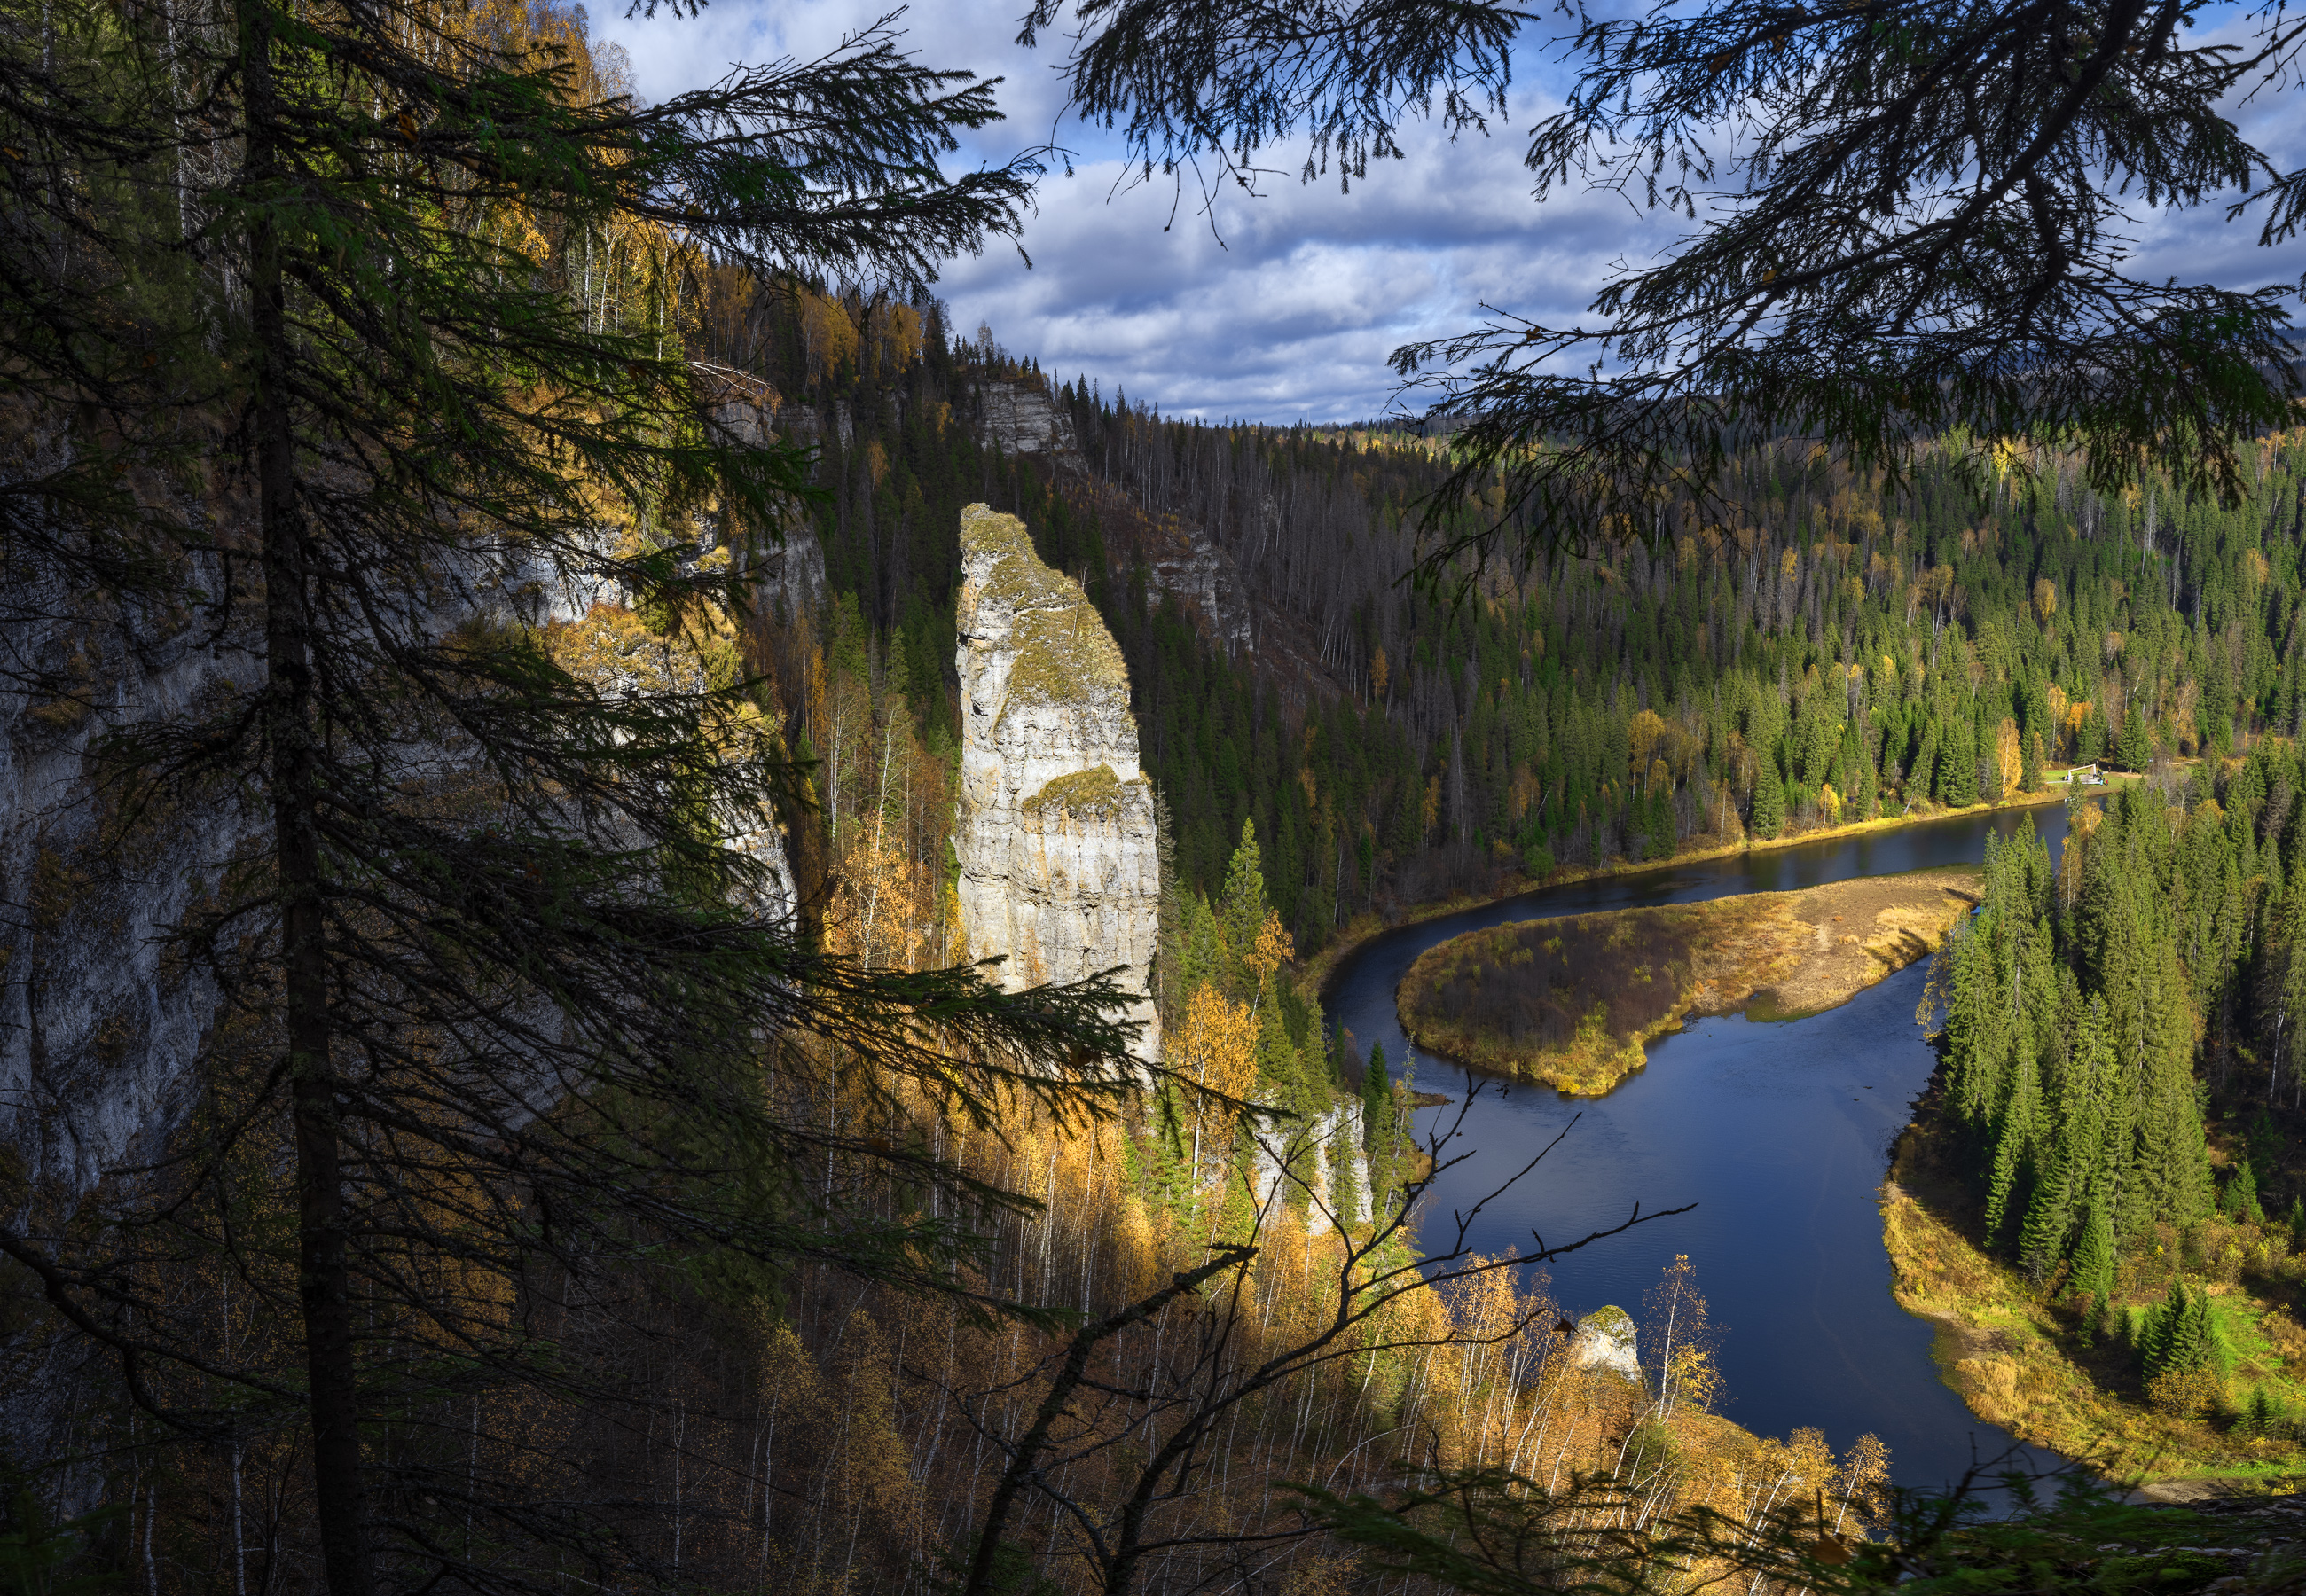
x=2071, y=1038
x=2094, y=1257
x=1242, y=909
x=1450, y=742
x=2239, y=1199
x=1956, y=782
x=436, y=408
x=2134, y=750
x=1831, y=291
x=1769, y=816
x=2259, y=1416
x=2182, y=1333
x=1376, y=1099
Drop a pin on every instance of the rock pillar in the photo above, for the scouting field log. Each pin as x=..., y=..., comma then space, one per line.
x=1059, y=871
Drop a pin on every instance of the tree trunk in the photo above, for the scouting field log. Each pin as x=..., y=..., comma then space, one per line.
x=323, y=1278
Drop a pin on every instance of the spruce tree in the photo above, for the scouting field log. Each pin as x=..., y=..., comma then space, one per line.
x=2002, y=1184
x=2183, y=1334
x=503, y=970
x=2042, y=1238
x=1662, y=831
x=2156, y=1332
x=2134, y=750
x=1376, y=1099
x=1241, y=909
x=1868, y=330
x=1769, y=816
x=2239, y=1199
x=2090, y=746
x=2093, y=1256
x=1957, y=771
x=1921, y=776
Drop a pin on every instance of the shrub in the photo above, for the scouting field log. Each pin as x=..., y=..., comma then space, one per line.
x=2185, y=1392
x=2259, y=1417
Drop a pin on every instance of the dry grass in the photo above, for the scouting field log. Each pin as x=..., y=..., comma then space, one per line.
x=1573, y=1002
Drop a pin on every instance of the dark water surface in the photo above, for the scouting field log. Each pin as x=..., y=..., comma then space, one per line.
x=1780, y=1134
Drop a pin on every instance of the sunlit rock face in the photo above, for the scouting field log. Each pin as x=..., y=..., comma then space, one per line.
x=1019, y=418
x=1607, y=1339
x=1059, y=871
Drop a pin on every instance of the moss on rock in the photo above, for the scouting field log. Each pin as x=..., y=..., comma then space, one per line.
x=1062, y=648
x=1090, y=793
x=1094, y=795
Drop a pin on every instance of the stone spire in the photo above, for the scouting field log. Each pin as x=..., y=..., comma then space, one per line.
x=1059, y=869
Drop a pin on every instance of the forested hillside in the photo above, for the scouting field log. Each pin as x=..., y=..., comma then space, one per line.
x=496, y=1101
x=1812, y=650
x=520, y=1198
x=1808, y=649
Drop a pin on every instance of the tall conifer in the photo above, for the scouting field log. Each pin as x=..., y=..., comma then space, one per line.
x=501, y=962
x=1376, y=1099
x=2094, y=1259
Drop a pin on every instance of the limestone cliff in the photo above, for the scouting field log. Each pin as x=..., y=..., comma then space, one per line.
x=1059, y=871
x=99, y=1024
x=102, y=1021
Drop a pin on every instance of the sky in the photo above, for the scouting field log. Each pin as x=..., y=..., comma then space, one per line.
x=1283, y=307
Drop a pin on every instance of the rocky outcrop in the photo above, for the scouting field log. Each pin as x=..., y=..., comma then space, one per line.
x=1608, y=1339
x=1016, y=416
x=1019, y=418
x=1060, y=876
x=100, y=1019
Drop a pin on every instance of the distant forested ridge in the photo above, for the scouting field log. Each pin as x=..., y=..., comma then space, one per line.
x=1812, y=648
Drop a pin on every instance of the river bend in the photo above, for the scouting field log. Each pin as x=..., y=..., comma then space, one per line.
x=1778, y=1132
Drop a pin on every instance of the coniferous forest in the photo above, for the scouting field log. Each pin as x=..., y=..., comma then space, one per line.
x=1813, y=653
x=498, y=1099
x=1810, y=650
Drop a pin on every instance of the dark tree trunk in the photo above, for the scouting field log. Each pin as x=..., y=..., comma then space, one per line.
x=323, y=1278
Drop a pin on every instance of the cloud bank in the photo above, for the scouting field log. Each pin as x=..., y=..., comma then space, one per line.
x=1284, y=306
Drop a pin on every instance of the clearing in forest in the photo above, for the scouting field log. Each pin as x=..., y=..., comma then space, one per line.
x=1572, y=1003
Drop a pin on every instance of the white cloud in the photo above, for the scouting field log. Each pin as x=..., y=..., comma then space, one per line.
x=1292, y=314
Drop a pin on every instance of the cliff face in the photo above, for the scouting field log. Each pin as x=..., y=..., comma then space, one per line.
x=97, y=1024
x=101, y=1022
x=1059, y=871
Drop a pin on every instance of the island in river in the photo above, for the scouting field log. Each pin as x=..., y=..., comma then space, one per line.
x=1572, y=1003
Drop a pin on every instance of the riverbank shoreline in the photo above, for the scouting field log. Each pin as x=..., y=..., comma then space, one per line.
x=1609, y=983
x=2029, y=1363
x=1315, y=975
x=1775, y=1132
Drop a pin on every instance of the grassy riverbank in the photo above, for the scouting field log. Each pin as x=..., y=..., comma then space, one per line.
x=2040, y=1361
x=1573, y=1003
x=1314, y=975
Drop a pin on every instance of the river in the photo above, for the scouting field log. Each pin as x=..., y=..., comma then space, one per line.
x=1778, y=1132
